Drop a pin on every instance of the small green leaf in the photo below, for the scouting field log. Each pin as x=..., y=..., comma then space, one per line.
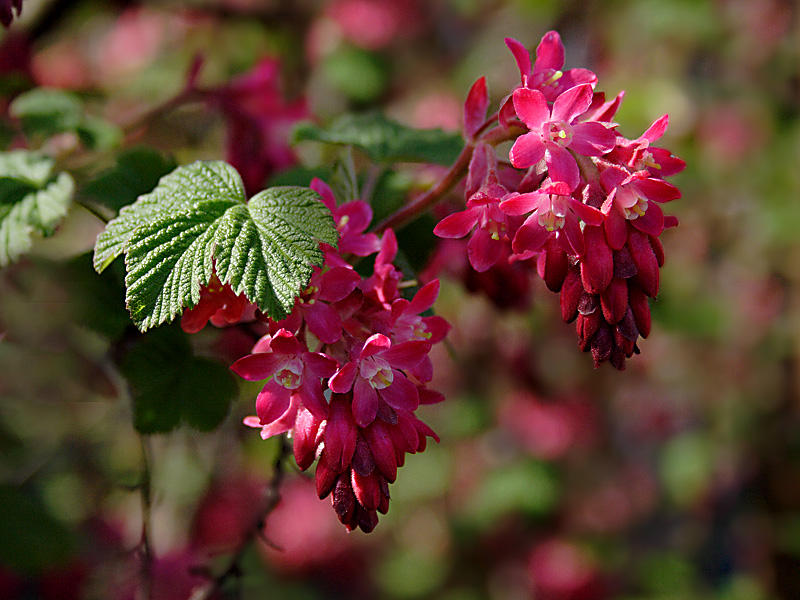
x=171, y=237
x=206, y=390
x=169, y=385
x=384, y=140
x=31, y=201
x=46, y=111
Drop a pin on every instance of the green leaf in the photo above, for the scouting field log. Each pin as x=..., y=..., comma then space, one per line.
x=137, y=172
x=47, y=111
x=31, y=201
x=175, y=192
x=171, y=237
x=384, y=140
x=170, y=385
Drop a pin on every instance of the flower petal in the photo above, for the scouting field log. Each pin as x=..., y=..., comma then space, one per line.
x=402, y=394
x=475, y=107
x=561, y=165
x=657, y=189
x=531, y=107
x=657, y=129
x=424, y=298
x=437, y=327
x=272, y=402
x=588, y=214
x=365, y=402
x=572, y=103
x=527, y=150
x=406, y=354
x=592, y=139
x=336, y=283
x=549, y=52
x=530, y=236
x=651, y=222
x=520, y=204
x=255, y=367
x=374, y=344
x=324, y=190
x=483, y=251
x=458, y=224
x=324, y=322
x=340, y=433
x=521, y=55
x=342, y=381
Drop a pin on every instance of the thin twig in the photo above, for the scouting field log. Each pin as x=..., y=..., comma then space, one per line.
x=145, y=547
x=272, y=497
x=454, y=174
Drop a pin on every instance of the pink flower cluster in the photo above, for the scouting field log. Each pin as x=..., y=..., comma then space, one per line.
x=578, y=199
x=348, y=368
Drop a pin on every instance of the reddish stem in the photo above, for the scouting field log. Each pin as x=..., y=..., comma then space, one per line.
x=454, y=174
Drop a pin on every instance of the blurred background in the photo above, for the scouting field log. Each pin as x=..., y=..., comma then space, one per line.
x=676, y=479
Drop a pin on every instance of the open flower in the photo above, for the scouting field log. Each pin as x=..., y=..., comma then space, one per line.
x=483, y=216
x=295, y=382
x=631, y=198
x=553, y=132
x=375, y=377
x=351, y=219
x=553, y=213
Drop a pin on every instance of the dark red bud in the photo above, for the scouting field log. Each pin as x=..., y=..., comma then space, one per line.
x=597, y=266
x=571, y=293
x=646, y=262
x=615, y=301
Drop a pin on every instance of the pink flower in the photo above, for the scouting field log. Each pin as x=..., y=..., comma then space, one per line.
x=314, y=305
x=640, y=155
x=546, y=74
x=629, y=199
x=483, y=215
x=553, y=213
x=295, y=382
x=375, y=377
x=351, y=219
x=553, y=131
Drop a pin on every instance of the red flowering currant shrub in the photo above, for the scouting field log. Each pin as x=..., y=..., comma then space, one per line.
x=268, y=319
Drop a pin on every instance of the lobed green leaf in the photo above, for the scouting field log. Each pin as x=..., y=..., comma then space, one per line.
x=196, y=220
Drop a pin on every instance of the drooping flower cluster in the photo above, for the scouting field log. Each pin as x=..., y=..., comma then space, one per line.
x=348, y=368
x=579, y=199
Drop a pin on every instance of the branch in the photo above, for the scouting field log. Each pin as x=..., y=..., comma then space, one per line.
x=454, y=174
x=145, y=548
x=272, y=497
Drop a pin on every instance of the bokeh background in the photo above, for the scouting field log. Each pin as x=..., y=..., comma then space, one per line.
x=676, y=479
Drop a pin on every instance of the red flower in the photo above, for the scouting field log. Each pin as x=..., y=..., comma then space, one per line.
x=375, y=377
x=294, y=382
x=553, y=131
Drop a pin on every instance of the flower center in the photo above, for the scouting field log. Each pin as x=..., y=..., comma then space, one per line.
x=410, y=327
x=647, y=160
x=291, y=373
x=309, y=295
x=637, y=210
x=343, y=222
x=377, y=371
x=550, y=220
x=558, y=132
